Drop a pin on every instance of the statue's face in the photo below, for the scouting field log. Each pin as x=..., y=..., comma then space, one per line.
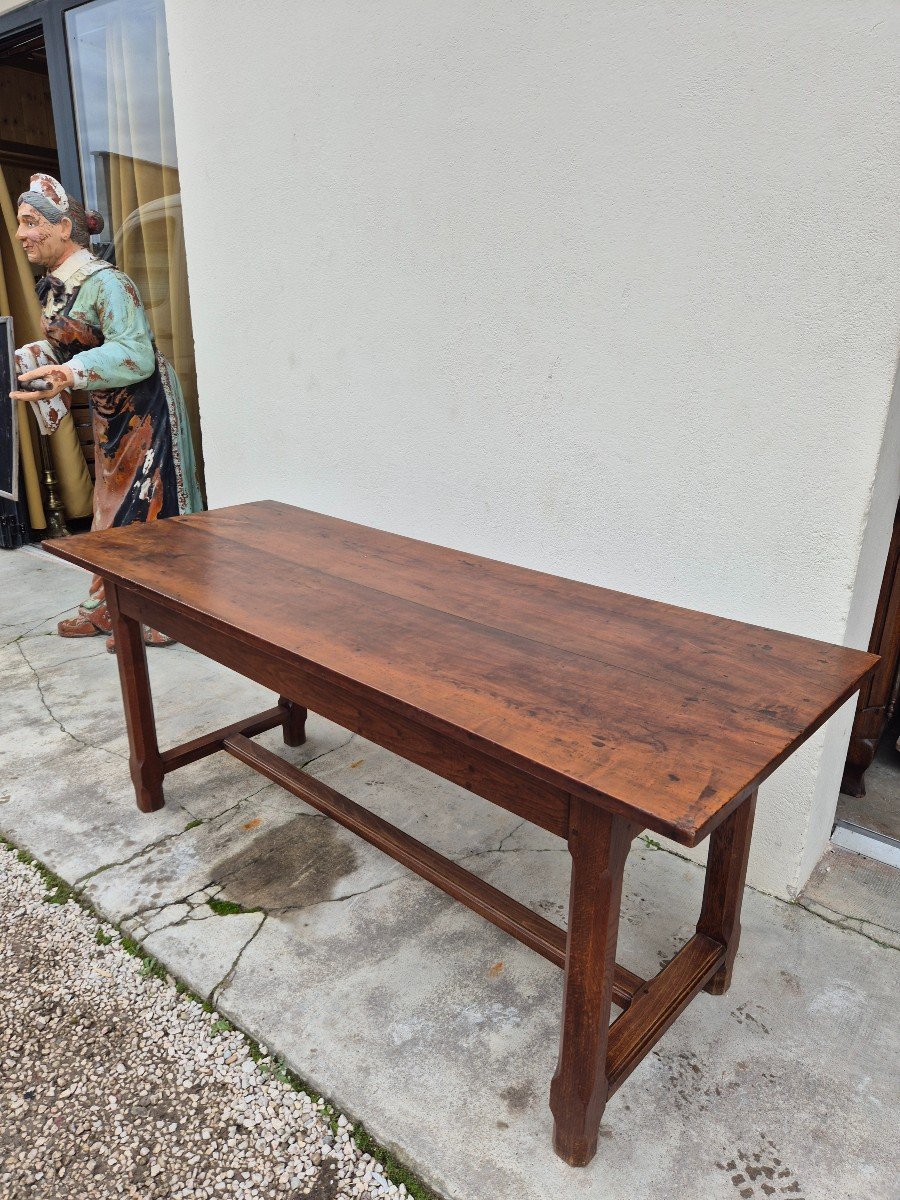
x=45, y=244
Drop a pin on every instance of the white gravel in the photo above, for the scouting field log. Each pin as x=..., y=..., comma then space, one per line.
x=112, y=1084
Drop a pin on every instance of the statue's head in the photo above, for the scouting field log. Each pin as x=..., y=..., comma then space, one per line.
x=51, y=223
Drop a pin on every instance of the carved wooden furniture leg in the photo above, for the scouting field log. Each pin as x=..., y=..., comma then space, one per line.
x=598, y=843
x=294, y=722
x=868, y=727
x=144, y=758
x=726, y=871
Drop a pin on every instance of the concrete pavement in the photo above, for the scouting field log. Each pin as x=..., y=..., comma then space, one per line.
x=412, y=1014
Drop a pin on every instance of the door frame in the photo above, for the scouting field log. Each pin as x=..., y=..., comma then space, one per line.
x=50, y=17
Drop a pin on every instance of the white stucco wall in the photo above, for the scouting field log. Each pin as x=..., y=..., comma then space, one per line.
x=605, y=289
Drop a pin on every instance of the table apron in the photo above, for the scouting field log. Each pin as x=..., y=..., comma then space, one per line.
x=501, y=783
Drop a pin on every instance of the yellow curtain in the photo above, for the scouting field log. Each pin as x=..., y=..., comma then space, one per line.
x=17, y=299
x=145, y=196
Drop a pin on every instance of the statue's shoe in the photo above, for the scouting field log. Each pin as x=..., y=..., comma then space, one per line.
x=152, y=637
x=86, y=607
x=88, y=622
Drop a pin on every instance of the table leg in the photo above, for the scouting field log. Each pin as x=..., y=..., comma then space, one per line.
x=726, y=871
x=294, y=722
x=144, y=759
x=598, y=843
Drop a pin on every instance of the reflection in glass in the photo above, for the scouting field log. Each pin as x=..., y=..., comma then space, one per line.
x=119, y=59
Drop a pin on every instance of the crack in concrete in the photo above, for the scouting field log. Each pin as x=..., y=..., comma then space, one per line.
x=85, y=745
x=191, y=916
x=42, y=621
x=169, y=837
x=512, y=850
x=75, y=658
x=78, y=884
x=82, y=879
x=840, y=921
x=325, y=753
x=279, y=912
x=797, y=902
x=134, y=919
x=229, y=974
x=225, y=811
x=222, y=880
x=268, y=783
x=153, y=909
x=266, y=912
x=516, y=829
x=177, y=833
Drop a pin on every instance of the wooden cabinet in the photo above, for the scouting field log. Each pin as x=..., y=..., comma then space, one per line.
x=878, y=695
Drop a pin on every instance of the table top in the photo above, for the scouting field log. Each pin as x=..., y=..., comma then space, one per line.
x=666, y=715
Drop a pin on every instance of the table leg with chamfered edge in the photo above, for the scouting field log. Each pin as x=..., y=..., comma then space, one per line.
x=294, y=727
x=598, y=844
x=144, y=758
x=726, y=872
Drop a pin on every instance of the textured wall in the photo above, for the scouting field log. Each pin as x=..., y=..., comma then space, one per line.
x=606, y=289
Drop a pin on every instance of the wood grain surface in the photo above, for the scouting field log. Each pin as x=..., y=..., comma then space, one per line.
x=670, y=715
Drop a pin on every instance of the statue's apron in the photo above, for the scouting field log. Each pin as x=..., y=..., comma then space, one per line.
x=135, y=473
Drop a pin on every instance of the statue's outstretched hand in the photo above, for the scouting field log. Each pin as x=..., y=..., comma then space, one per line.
x=58, y=376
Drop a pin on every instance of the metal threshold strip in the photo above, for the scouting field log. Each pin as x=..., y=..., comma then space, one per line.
x=850, y=836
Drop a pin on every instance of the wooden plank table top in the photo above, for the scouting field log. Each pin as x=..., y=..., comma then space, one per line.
x=666, y=716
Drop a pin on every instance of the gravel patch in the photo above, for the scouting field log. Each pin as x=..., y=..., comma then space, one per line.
x=113, y=1084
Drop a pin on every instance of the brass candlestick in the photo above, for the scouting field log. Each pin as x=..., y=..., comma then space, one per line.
x=56, y=517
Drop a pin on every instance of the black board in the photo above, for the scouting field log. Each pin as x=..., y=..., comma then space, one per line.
x=15, y=529
x=9, y=421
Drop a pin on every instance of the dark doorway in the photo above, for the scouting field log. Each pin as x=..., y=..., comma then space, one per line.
x=28, y=144
x=868, y=811
x=27, y=130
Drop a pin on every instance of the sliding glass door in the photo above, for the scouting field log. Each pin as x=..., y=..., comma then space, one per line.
x=119, y=63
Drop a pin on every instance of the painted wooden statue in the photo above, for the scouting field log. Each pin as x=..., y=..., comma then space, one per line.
x=97, y=339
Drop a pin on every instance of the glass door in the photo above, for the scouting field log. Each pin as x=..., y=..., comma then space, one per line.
x=125, y=132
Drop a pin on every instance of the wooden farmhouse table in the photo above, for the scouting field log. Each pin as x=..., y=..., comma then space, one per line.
x=595, y=715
